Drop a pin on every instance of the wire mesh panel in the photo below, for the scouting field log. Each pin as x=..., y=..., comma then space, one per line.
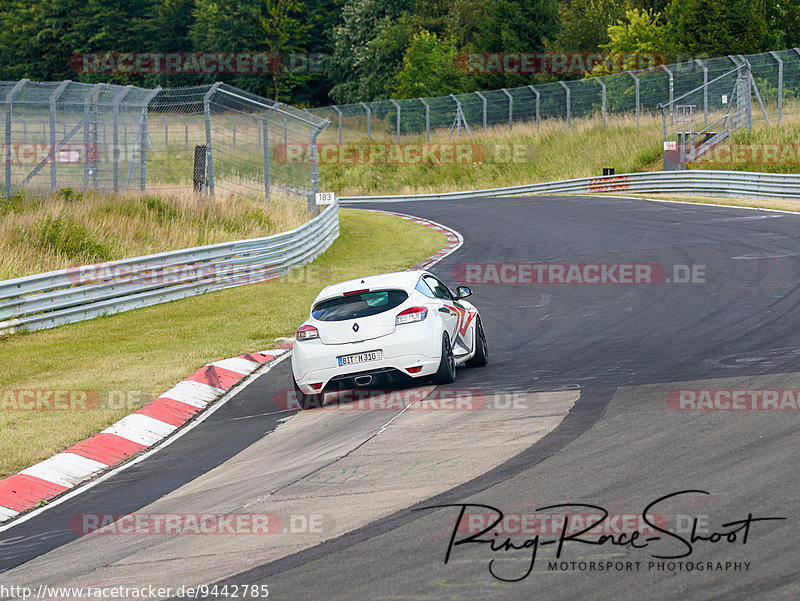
x=633, y=92
x=205, y=139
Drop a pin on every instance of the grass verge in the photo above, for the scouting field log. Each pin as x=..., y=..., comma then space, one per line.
x=132, y=357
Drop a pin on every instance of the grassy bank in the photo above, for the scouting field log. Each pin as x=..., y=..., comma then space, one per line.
x=68, y=227
x=497, y=157
x=130, y=358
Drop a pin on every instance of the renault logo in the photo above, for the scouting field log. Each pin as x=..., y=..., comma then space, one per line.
x=355, y=327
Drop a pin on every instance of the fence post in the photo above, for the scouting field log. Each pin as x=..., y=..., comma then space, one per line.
x=569, y=107
x=780, y=84
x=144, y=134
x=87, y=114
x=427, y=120
x=705, y=89
x=635, y=79
x=233, y=125
x=166, y=133
x=338, y=112
x=209, y=150
x=7, y=158
x=671, y=88
x=185, y=132
x=115, y=140
x=510, y=108
x=369, y=118
x=312, y=205
x=394, y=102
x=749, y=70
x=265, y=127
x=53, y=98
x=483, y=98
x=603, y=86
x=535, y=91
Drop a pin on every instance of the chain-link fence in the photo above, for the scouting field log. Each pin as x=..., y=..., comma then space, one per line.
x=777, y=75
x=208, y=139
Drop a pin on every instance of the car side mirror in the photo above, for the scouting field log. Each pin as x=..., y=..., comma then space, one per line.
x=463, y=292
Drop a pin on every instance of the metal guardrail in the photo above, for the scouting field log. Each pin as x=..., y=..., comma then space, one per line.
x=70, y=295
x=733, y=184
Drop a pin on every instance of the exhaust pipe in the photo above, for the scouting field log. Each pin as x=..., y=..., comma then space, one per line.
x=363, y=380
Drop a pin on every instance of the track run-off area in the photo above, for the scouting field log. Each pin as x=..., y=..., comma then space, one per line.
x=644, y=357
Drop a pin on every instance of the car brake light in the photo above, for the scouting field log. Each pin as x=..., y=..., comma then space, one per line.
x=306, y=333
x=414, y=370
x=411, y=315
x=355, y=292
x=317, y=386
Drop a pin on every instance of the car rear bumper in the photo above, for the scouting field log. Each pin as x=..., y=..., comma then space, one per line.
x=317, y=363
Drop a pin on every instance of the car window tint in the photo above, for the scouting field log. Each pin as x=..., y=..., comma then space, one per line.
x=354, y=306
x=439, y=289
x=425, y=289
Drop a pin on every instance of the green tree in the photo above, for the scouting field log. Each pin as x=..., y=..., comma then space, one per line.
x=429, y=68
x=585, y=23
x=717, y=27
x=637, y=41
x=284, y=34
x=368, y=46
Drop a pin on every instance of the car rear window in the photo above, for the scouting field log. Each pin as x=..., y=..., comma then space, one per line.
x=358, y=305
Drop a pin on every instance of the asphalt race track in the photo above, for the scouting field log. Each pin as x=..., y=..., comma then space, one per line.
x=594, y=372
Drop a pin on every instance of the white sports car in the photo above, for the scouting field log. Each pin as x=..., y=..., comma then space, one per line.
x=385, y=329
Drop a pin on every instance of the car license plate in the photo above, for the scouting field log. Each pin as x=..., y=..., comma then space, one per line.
x=360, y=358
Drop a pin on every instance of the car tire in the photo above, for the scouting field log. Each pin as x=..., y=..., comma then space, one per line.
x=481, y=356
x=307, y=401
x=446, y=374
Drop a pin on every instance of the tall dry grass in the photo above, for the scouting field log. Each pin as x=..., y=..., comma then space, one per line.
x=526, y=154
x=39, y=234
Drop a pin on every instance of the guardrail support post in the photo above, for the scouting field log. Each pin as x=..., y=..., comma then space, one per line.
x=9, y=130
x=510, y=108
x=394, y=102
x=636, y=80
x=535, y=91
x=209, y=150
x=602, y=85
x=569, y=107
x=483, y=99
x=427, y=120
x=780, y=84
x=53, y=98
x=369, y=118
x=115, y=139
